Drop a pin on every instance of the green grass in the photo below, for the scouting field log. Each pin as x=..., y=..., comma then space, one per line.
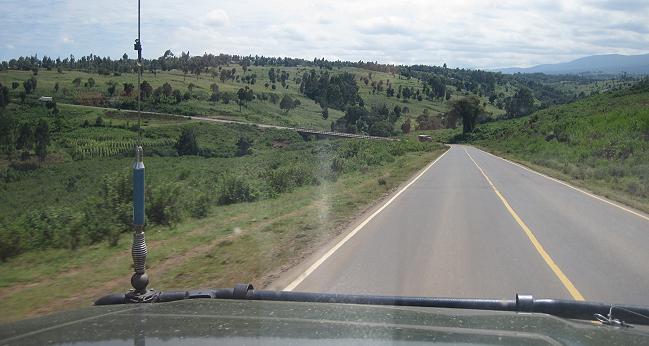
x=601, y=143
x=244, y=242
x=299, y=194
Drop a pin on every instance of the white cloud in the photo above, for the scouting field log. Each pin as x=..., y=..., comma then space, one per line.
x=217, y=18
x=465, y=33
x=67, y=39
x=383, y=26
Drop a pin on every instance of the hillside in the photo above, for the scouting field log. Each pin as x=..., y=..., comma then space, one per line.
x=252, y=88
x=601, y=142
x=595, y=64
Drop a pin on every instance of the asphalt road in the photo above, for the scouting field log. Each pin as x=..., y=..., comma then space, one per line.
x=490, y=229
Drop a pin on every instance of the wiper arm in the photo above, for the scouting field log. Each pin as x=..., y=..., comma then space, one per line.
x=580, y=310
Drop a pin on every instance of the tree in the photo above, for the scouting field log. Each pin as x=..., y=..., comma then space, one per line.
x=91, y=82
x=30, y=85
x=325, y=113
x=244, y=146
x=146, y=90
x=42, y=137
x=244, y=96
x=286, y=103
x=7, y=131
x=215, y=88
x=167, y=90
x=99, y=122
x=428, y=122
x=15, y=85
x=56, y=87
x=187, y=143
x=406, y=126
x=522, y=103
x=467, y=109
x=76, y=82
x=4, y=96
x=22, y=95
x=271, y=75
x=128, y=89
x=177, y=95
x=225, y=98
x=396, y=111
x=241, y=94
x=111, y=88
x=25, y=137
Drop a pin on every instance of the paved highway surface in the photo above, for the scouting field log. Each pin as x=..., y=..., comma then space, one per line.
x=475, y=225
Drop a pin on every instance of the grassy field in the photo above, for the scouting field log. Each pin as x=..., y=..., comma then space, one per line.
x=601, y=143
x=214, y=219
x=308, y=114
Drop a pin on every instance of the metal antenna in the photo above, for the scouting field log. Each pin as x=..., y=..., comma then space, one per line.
x=138, y=48
x=140, y=279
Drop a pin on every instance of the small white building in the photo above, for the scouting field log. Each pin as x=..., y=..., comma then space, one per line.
x=45, y=99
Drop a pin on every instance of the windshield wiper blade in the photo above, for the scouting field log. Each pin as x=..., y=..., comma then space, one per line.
x=572, y=309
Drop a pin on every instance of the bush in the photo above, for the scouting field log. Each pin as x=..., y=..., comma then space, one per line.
x=51, y=227
x=236, y=190
x=187, y=143
x=285, y=179
x=200, y=206
x=164, y=205
x=9, y=242
x=244, y=146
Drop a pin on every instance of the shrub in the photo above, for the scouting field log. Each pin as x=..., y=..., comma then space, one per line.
x=187, y=144
x=200, y=206
x=236, y=190
x=9, y=241
x=164, y=205
x=285, y=179
x=244, y=146
x=51, y=227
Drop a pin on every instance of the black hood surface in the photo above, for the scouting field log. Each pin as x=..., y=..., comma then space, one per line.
x=232, y=322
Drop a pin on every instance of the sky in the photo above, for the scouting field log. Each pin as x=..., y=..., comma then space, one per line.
x=468, y=33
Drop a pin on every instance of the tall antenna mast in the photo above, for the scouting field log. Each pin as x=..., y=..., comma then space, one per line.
x=140, y=279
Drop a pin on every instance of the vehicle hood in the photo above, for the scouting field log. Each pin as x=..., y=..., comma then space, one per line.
x=214, y=321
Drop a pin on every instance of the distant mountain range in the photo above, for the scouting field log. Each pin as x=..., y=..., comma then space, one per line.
x=595, y=64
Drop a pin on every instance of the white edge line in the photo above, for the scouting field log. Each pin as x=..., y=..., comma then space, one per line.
x=331, y=251
x=570, y=186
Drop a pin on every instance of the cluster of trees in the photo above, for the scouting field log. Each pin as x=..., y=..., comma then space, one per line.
x=426, y=121
x=377, y=121
x=467, y=110
x=245, y=95
x=183, y=62
x=287, y=103
x=279, y=75
x=23, y=137
x=520, y=104
x=4, y=96
x=337, y=91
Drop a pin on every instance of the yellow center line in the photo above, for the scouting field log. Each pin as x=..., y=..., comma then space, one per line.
x=574, y=292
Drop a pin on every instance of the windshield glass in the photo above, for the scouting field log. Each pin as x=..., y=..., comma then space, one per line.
x=469, y=149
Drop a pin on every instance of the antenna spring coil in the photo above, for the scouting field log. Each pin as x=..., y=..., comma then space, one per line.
x=139, y=252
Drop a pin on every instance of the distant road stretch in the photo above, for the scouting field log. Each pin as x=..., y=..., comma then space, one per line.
x=475, y=225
